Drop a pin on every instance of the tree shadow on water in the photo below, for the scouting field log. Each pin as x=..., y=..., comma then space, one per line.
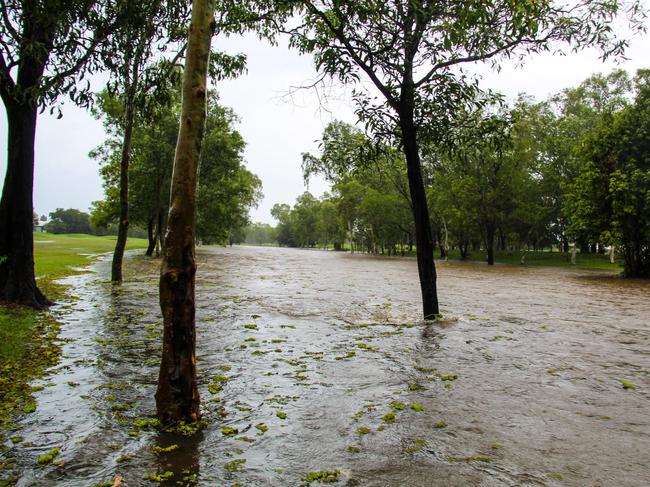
x=178, y=458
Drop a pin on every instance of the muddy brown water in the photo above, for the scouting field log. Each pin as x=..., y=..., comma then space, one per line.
x=537, y=354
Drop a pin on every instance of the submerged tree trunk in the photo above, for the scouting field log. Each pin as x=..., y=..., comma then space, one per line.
x=177, y=397
x=423, y=234
x=17, y=281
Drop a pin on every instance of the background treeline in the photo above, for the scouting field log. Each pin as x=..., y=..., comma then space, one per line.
x=570, y=170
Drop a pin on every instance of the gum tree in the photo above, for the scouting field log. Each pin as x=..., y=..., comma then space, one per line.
x=177, y=397
x=411, y=51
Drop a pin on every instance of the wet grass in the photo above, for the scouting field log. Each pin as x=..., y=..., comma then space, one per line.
x=28, y=344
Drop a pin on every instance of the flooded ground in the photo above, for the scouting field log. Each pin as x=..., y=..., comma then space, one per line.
x=315, y=361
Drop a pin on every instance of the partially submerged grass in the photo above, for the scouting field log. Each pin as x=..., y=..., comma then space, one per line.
x=28, y=345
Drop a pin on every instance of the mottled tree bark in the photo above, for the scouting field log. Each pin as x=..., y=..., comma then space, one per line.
x=177, y=397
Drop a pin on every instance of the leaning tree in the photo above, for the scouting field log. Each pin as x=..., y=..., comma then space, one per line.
x=412, y=53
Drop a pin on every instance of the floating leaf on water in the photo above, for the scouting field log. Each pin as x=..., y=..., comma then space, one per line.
x=323, y=476
x=628, y=385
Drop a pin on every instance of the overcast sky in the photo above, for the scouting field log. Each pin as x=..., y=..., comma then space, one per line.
x=276, y=127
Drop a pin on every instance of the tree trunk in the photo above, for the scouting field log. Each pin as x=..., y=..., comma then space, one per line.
x=17, y=280
x=423, y=234
x=177, y=397
x=123, y=225
x=151, y=236
x=489, y=244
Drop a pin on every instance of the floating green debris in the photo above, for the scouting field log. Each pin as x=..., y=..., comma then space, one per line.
x=449, y=377
x=154, y=477
x=251, y=326
x=122, y=459
x=415, y=387
x=416, y=445
x=157, y=450
x=388, y=418
x=363, y=430
x=228, y=431
x=555, y=476
x=235, y=465
x=48, y=457
x=246, y=439
x=497, y=446
x=251, y=339
x=214, y=388
x=347, y=355
x=426, y=370
x=120, y=406
x=281, y=415
x=440, y=425
x=471, y=458
x=628, y=385
x=143, y=423
x=262, y=427
x=323, y=476
x=354, y=449
x=278, y=340
x=417, y=407
x=399, y=406
x=16, y=439
x=220, y=378
x=365, y=346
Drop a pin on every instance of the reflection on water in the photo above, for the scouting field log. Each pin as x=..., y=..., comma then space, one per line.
x=313, y=361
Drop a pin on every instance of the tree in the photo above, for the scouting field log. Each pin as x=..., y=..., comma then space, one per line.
x=410, y=50
x=148, y=24
x=610, y=199
x=227, y=190
x=177, y=397
x=68, y=221
x=46, y=49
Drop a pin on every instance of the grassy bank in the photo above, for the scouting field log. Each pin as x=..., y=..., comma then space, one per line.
x=28, y=338
x=532, y=258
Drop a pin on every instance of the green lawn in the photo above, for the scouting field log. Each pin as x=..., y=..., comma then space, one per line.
x=546, y=258
x=55, y=254
x=28, y=338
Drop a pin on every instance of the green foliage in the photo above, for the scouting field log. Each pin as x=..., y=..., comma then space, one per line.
x=609, y=202
x=226, y=190
x=68, y=221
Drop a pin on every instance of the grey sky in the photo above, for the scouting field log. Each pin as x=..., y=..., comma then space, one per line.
x=276, y=127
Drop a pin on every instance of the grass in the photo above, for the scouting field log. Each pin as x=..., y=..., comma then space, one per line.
x=28, y=338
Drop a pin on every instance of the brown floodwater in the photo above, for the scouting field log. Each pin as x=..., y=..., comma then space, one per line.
x=519, y=384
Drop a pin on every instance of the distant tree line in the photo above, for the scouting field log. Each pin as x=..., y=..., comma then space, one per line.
x=570, y=170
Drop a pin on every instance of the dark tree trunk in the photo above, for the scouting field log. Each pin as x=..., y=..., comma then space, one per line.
x=464, y=247
x=151, y=236
x=123, y=225
x=177, y=396
x=17, y=280
x=489, y=244
x=423, y=234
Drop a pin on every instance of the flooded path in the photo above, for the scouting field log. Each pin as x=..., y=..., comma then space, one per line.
x=315, y=361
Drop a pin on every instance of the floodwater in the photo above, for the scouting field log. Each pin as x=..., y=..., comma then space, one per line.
x=519, y=384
